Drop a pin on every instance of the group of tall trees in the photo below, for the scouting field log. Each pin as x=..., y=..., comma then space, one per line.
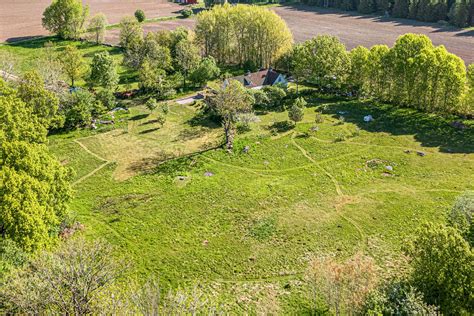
x=457, y=12
x=244, y=35
x=413, y=73
x=34, y=187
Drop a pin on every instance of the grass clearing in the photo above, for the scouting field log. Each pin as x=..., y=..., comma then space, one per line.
x=240, y=220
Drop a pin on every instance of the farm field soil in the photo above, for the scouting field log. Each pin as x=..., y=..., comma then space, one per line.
x=255, y=219
x=22, y=18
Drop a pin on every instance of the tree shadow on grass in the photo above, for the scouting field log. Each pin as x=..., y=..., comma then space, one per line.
x=430, y=130
x=151, y=130
x=138, y=117
x=204, y=120
x=281, y=127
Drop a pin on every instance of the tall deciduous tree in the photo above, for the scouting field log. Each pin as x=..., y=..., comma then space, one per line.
x=104, y=71
x=66, y=18
x=34, y=188
x=228, y=101
x=97, y=27
x=442, y=268
x=187, y=58
x=130, y=31
x=206, y=71
x=72, y=63
x=243, y=34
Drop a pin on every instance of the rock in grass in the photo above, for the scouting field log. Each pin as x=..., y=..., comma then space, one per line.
x=389, y=168
x=208, y=174
x=246, y=149
x=421, y=153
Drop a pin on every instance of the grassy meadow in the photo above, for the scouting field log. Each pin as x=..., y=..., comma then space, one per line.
x=183, y=210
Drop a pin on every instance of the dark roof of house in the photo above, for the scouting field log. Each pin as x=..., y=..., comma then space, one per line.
x=265, y=77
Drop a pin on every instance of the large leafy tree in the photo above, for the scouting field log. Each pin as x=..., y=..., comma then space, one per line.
x=66, y=18
x=104, y=71
x=243, y=34
x=130, y=31
x=43, y=103
x=227, y=101
x=187, y=58
x=34, y=188
x=442, y=268
x=461, y=216
x=97, y=27
x=72, y=63
x=328, y=61
x=206, y=71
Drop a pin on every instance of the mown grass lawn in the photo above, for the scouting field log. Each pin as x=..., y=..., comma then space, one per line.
x=249, y=222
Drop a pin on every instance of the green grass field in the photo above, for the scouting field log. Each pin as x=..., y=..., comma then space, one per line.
x=252, y=226
x=28, y=53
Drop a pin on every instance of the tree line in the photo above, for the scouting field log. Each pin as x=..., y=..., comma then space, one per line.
x=413, y=73
x=457, y=12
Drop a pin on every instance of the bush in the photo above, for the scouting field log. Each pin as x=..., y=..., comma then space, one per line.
x=151, y=104
x=461, y=214
x=296, y=111
x=397, y=298
x=186, y=13
x=107, y=98
x=140, y=15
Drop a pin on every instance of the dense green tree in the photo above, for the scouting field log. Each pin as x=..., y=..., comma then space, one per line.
x=442, y=268
x=243, y=34
x=206, y=70
x=275, y=95
x=358, y=73
x=459, y=13
x=72, y=63
x=227, y=101
x=43, y=103
x=34, y=187
x=103, y=71
x=80, y=107
x=140, y=15
x=187, y=58
x=151, y=104
x=159, y=56
x=366, y=6
x=400, y=8
x=296, y=110
x=328, y=61
x=66, y=18
x=97, y=27
x=130, y=31
x=468, y=98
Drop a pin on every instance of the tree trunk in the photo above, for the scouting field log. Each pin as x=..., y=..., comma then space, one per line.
x=229, y=136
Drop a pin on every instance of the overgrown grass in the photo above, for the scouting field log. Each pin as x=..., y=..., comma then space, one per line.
x=247, y=222
x=28, y=53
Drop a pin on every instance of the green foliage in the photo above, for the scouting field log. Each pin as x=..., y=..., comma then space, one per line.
x=131, y=32
x=140, y=15
x=72, y=63
x=44, y=103
x=227, y=102
x=366, y=6
x=186, y=13
x=459, y=13
x=397, y=298
x=275, y=95
x=442, y=268
x=65, y=18
x=322, y=61
x=296, y=110
x=151, y=104
x=187, y=58
x=400, y=8
x=359, y=57
x=97, y=27
x=107, y=98
x=245, y=34
x=75, y=279
x=207, y=70
x=103, y=71
x=461, y=216
x=34, y=187
x=80, y=107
